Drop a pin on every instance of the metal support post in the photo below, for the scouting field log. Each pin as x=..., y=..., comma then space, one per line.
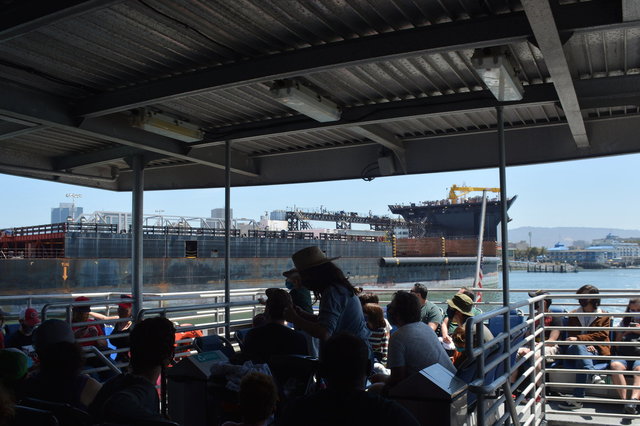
x=504, y=203
x=136, y=233
x=227, y=238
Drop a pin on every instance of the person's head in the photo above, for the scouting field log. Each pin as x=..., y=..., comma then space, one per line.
x=368, y=297
x=344, y=361
x=13, y=367
x=403, y=309
x=547, y=300
x=292, y=279
x=258, y=397
x=421, y=292
x=29, y=319
x=461, y=306
x=375, y=316
x=152, y=343
x=81, y=313
x=468, y=293
x=458, y=338
x=277, y=301
x=317, y=271
x=50, y=332
x=588, y=304
x=58, y=353
x=633, y=306
x=125, y=306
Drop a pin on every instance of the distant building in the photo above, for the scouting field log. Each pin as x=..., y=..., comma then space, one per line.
x=61, y=213
x=607, y=250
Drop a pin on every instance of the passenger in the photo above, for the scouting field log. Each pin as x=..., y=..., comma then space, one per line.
x=368, y=297
x=23, y=336
x=461, y=309
x=258, y=396
x=596, y=320
x=300, y=295
x=448, y=324
x=121, y=327
x=81, y=314
x=550, y=336
x=632, y=335
x=59, y=377
x=430, y=314
x=458, y=338
x=344, y=363
x=132, y=397
x=274, y=337
x=379, y=335
x=340, y=309
x=414, y=345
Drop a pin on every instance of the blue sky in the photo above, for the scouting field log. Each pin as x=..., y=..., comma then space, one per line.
x=591, y=193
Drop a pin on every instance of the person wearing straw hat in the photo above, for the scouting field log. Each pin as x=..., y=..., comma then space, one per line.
x=340, y=309
x=461, y=309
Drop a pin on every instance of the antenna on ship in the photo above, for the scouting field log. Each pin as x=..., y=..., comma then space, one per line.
x=73, y=205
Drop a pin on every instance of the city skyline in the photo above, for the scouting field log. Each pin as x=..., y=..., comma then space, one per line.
x=586, y=193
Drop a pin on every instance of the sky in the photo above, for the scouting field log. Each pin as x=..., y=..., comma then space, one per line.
x=591, y=193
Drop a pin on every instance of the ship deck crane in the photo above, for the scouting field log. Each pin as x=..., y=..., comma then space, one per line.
x=456, y=192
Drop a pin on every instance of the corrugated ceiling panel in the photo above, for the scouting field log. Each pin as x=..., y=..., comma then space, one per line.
x=56, y=142
x=604, y=53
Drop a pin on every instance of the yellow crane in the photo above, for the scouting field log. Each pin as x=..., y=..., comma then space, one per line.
x=460, y=191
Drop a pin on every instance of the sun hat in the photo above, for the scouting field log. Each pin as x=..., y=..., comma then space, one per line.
x=310, y=257
x=30, y=317
x=461, y=303
x=52, y=331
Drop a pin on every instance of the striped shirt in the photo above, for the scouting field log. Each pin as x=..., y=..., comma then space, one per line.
x=378, y=341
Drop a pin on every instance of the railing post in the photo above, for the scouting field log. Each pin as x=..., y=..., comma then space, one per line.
x=227, y=237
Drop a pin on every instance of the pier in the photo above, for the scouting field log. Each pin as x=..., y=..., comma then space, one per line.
x=551, y=267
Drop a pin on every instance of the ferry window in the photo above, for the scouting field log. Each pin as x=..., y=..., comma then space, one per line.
x=191, y=249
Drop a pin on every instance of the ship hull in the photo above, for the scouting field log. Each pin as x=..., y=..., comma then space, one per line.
x=68, y=275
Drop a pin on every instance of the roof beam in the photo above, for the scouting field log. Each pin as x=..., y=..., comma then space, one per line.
x=47, y=110
x=486, y=32
x=544, y=28
x=26, y=16
x=375, y=114
x=20, y=132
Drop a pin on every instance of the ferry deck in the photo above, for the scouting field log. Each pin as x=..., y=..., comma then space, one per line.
x=156, y=94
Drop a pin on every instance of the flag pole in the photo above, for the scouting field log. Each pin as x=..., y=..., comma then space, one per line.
x=477, y=281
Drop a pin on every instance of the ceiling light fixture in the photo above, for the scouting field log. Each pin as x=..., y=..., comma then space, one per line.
x=305, y=101
x=165, y=125
x=493, y=66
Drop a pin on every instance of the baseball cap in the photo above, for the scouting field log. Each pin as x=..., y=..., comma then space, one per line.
x=30, y=317
x=52, y=331
x=86, y=308
x=127, y=302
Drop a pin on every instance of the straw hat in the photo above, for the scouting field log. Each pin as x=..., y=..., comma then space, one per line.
x=310, y=257
x=461, y=303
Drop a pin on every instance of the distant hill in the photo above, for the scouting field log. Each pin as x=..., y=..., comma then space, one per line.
x=547, y=237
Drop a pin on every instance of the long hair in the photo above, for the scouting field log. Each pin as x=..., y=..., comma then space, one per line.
x=319, y=278
x=626, y=320
x=588, y=289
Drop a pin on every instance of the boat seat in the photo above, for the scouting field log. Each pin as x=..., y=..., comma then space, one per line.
x=214, y=343
x=64, y=413
x=29, y=416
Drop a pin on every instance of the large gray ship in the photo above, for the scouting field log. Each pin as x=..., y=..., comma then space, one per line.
x=68, y=257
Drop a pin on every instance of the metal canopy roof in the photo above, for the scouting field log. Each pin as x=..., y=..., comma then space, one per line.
x=72, y=72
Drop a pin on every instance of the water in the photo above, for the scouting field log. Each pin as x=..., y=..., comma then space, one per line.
x=627, y=279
